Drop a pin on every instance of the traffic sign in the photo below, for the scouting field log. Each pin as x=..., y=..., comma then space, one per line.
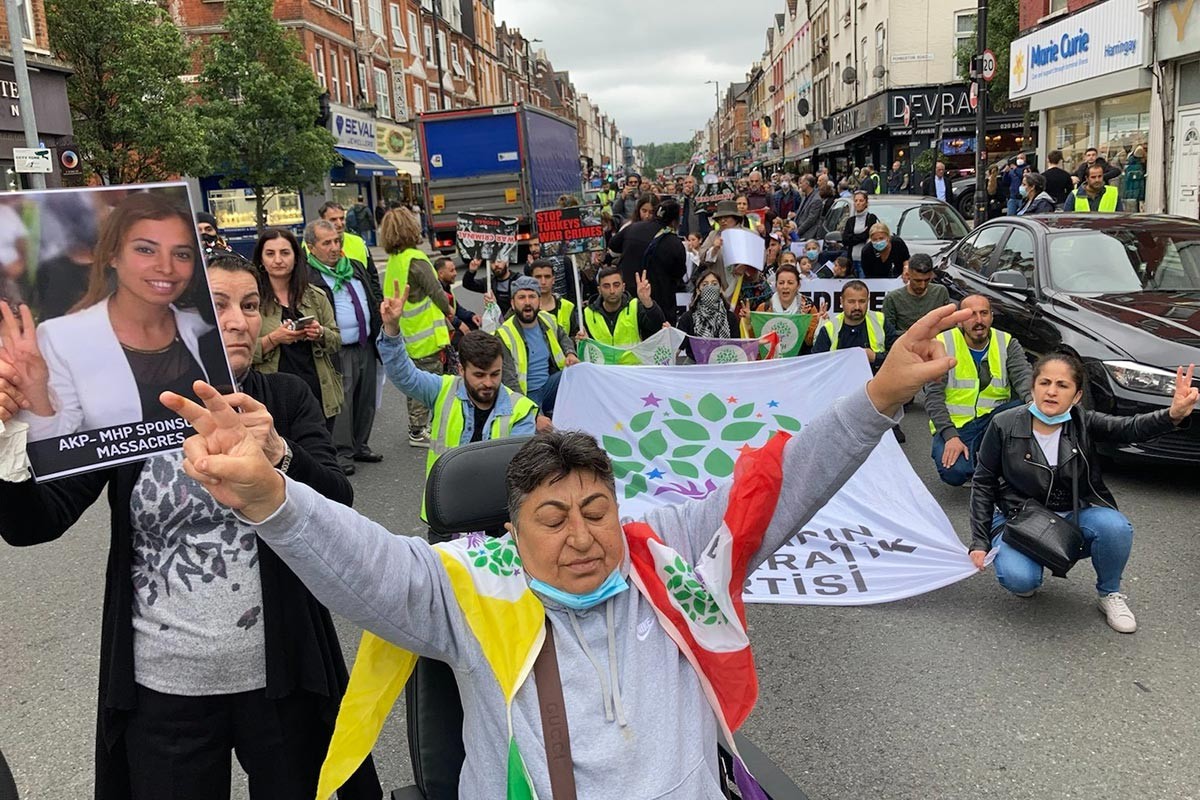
x=974, y=96
x=988, y=64
x=32, y=159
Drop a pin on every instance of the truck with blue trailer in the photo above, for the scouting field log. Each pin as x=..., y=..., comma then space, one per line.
x=509, y=160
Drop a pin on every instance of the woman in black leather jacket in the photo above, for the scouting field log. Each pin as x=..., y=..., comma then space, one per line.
x=1035, y=451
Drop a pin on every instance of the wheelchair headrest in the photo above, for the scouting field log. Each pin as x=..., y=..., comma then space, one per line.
x=465, y=491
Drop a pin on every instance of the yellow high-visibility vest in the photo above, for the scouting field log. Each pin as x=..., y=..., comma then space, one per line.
x=1108, y=201
x=966, y=400
x=875, y=333
x=421, y=322
x=626, y=334
x=510, y=335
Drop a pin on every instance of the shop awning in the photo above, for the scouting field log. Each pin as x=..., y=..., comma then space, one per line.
x=410, y=168
x=366, y=163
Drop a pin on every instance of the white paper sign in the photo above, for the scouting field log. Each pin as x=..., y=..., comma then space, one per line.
x=740, y=246
x=830, y=290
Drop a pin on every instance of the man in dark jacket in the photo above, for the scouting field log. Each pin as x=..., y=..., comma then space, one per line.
x=692, y=218
x=1034, y=198
x=1058, y=180
x=624, y=207
x=1014, y=173
x=654, y=248
x=608, y=317
x=1092, y=156
x=786, y=200
x=502, y=278
x=808, y=211
x=354, y=292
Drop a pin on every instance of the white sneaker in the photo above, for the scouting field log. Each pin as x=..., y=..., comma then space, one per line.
x=418, y=439
x=1030, y=593
x=1120, y=618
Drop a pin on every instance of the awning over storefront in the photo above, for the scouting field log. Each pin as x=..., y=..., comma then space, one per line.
x=366, y=163
x=410, y=168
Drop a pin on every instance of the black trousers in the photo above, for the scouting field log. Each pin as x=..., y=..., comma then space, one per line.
x=179, y=747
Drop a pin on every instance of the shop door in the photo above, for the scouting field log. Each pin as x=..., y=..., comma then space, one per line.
x=1185, y=180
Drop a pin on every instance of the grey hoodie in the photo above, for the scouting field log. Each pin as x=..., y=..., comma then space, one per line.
x=640, y=726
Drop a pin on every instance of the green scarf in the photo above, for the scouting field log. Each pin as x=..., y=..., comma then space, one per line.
x=340, y=273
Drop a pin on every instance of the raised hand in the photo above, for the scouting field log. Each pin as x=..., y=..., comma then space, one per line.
x=224, y=456
x=392, y=307
x=915, y=359
x=27, y=371
x=1186, y=394
x=255, y=417
x=643, y=290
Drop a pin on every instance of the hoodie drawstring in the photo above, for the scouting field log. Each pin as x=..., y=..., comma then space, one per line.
x=587, y=651
x=612, y=665
x=610, y=686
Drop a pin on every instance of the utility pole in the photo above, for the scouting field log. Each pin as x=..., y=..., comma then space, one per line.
x=21, y=69
x=980, y=85
x=716, y=125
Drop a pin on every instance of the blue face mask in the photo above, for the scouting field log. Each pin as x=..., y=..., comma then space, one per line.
x=812, y=254
x=613, y=585
x=1057, y=419
x=880, y=246
x=1023, y=190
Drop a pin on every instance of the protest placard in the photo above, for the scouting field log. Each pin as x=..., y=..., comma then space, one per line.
x=740, y=246
x=709, y=194
x=830, y=290
x=571, y=230
x=106, y=266
x=486, y=237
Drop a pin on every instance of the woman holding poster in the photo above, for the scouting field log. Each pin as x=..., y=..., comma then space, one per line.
x=144, y=326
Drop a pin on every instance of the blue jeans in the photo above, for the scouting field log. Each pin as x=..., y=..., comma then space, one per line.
x=971, y=434
x=1108, y=536
x=1014, y=205
x=546, y=394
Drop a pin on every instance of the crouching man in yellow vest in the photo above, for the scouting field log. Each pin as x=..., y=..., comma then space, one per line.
x=472, y=407
x=614, y=318
x=536, y=349
x=857, y=326
x=992, y=374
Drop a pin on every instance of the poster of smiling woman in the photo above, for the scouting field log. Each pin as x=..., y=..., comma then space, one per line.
x=104, y=305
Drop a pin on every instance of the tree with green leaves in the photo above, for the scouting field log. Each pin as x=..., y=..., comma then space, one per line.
x=134, y=118
x=1003, y=23
x=666, y=154
x=263, y=103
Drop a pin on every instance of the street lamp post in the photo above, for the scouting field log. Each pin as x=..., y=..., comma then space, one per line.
x=717, y=125
x=437, y=52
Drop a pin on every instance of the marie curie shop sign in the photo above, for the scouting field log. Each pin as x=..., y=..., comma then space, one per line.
x=1102, y=39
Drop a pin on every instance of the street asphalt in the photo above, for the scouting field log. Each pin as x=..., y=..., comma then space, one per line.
x=962, y=693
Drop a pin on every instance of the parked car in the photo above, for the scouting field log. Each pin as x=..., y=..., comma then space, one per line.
x=1121, y=291
x=962, y=188
x=926, y=225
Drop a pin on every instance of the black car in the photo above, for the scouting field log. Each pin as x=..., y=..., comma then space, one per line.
x=925, y=224
x=1122, y=291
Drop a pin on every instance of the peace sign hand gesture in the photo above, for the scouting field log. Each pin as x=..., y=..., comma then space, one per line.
x=643, y=290
x=1186, y=394
x=224, y=455
x=22, y=360
x=392, y=307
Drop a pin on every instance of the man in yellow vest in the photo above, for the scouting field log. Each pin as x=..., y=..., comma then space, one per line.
x=857, y=326
x=992, y=374
x=614, y=318
x=557, y=306
x=472, y=407
x=426, y=331
x=354, y=247
x=536, y=348
x=1095, y=195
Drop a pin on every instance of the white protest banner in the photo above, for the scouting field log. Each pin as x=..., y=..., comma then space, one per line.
x=830, y=290
x=674, y=436
x=740, y=246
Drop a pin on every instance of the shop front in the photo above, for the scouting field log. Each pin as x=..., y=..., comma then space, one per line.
x=1085, y=78
x=355, y=140
x=1173, y=174
x=48, y=87
x=398, y=144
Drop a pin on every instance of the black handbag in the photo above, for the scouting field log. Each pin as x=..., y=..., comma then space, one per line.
x=1045, y=537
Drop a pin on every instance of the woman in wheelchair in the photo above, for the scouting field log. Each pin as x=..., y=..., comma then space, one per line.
x=651, y=676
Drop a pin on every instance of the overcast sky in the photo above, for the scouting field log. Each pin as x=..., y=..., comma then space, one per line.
x=644, y=62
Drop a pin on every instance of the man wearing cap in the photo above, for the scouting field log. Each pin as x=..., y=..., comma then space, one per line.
x=726, y=216
x=206, y=225
x=536, y=348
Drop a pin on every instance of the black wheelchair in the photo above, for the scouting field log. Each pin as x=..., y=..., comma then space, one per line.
x=434, y=709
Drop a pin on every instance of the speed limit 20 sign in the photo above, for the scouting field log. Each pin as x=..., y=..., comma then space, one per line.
x=987, y=65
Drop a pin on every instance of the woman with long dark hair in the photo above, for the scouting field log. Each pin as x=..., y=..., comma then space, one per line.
x=299, y=330
x=1042, y=451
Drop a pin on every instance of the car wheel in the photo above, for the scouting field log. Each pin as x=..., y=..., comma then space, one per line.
x=966, y=205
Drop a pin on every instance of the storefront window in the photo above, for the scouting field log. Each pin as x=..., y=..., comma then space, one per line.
x=345, y=194
x=234, y=208
x=1124, y=125
x=1071, y=131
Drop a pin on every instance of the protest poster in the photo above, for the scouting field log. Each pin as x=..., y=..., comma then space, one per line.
x=674, y=438
x=486, y=237
x=830, y=290
x=741, y=246
x=797, y=249
x=708, y=194
x=790, y=328
x=658, y=349
x=81, y=260
x=569, y=231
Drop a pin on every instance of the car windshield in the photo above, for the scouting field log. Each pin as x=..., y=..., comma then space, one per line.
x=921, y=221
x=1125, y=260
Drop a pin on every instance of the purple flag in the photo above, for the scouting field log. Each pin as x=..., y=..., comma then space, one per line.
x=723, y=351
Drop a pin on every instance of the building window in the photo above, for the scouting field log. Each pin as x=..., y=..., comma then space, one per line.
x=1124, y=126
x=383, y=94
x=414, y=38
x=25, y=9
x=348, y=78
x=964, y=37
x=418, y=99
x=1071, y=131
x=441, y=40
x=879, y=59
x=362, y=82
x=1057, y=5
x=454, y=54
x=428, y=44
x=434, y=100
x=338, y=6
x=397, y=28
x=375, y=15
x=335, y=82
x=356, y=13
x=319, y=59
